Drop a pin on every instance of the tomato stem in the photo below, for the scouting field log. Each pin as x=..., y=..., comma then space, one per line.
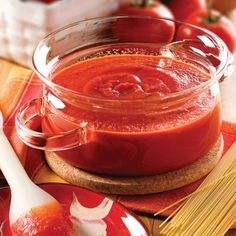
x=142, y=3
x=210, y=17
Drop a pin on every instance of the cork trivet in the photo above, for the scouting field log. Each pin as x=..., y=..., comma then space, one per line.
x=136, y=185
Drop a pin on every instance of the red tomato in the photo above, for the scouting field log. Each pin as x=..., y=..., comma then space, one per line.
x=182, y=9
x=143, y=29
x=217, y=23
x=145, y=8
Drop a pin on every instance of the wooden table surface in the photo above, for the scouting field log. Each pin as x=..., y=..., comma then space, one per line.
x=228, y=98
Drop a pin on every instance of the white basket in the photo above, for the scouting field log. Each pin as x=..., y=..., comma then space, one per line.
x=23, y=24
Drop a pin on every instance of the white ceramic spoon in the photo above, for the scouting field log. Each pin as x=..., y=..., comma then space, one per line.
x=25, y=195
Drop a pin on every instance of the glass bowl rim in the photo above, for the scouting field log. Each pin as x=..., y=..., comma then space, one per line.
x=215, y=75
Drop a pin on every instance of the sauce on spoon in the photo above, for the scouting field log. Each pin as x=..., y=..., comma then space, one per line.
x=47, y=220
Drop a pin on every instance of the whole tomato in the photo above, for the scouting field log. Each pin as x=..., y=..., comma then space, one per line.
x=144, y=8
x=213, y=21
x=144, y=29
x=182, y=9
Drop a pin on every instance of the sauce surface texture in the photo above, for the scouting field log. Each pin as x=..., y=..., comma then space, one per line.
x=49, y=220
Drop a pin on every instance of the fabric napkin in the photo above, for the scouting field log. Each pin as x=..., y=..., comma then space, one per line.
x=18, y=86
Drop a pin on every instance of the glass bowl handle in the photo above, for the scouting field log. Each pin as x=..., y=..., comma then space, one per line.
x=45, y=141
x=229, y=68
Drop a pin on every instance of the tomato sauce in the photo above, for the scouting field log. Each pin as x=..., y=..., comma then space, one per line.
x=50, y=220
x=128, y=143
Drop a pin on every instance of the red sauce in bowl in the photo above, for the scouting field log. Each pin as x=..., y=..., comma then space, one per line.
x=130, y=143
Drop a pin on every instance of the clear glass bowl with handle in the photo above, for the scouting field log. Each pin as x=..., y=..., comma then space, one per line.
x=127, y=96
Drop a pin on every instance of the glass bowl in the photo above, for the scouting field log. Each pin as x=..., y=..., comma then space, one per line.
x=127, y=96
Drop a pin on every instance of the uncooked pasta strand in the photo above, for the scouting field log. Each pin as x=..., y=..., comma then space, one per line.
x=200, y=189
x=211, y=210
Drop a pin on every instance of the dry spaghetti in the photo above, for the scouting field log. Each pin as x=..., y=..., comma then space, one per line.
x=211, y=209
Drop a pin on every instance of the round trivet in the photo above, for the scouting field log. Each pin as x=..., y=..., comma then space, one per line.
x=137, y=185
